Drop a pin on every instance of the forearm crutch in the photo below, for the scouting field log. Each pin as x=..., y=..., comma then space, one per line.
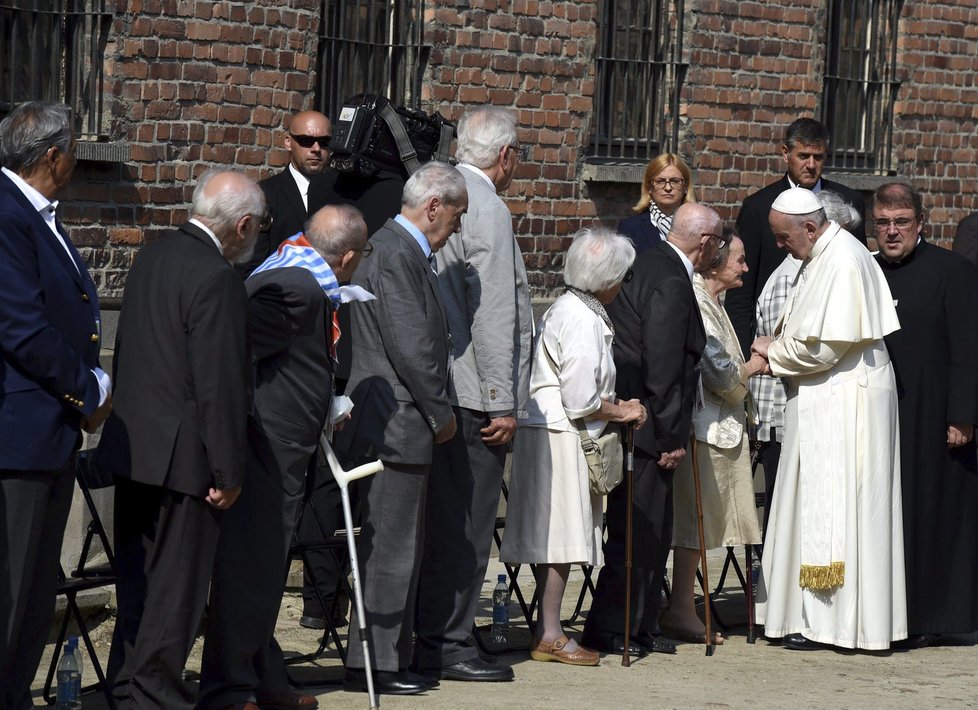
x=343, y=479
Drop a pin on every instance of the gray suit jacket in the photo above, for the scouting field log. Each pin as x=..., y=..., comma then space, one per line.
x=399, y=380
x=483, y=286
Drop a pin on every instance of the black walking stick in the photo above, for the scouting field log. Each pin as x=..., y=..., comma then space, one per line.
x=710, y=646
x=629, y=475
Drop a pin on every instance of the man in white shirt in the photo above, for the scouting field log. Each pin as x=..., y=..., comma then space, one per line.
x=833, y=556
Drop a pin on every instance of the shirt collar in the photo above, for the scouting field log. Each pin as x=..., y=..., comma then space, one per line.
x=418, y=235
x=39, y=201
x=686, y=262
x=816, y=189
x=479, y=172
x=207, y=230
x=301, y=181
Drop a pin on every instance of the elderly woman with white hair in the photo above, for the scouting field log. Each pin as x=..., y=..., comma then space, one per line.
x=554, y=518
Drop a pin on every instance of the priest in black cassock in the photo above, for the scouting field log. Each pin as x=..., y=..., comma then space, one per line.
x=935, y=355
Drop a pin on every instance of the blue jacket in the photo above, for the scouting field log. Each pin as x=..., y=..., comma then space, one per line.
x=49, y=339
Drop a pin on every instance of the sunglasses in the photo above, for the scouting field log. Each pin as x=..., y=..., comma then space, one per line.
x=310, y=141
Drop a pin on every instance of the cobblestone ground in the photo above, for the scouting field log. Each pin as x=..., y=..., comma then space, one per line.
x=737, y=675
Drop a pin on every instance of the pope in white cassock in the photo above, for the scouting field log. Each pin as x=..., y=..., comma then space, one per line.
x=833, y=567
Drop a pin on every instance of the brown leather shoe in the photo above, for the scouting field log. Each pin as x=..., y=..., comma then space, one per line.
x=287, y=701
x=554, y=651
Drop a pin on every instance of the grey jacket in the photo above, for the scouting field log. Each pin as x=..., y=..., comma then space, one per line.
x=483, y=286
x=399, y=380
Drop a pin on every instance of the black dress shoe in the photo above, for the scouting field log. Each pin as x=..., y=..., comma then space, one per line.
x=318, y=622
x=473, y=669
x=604, y=642
x=654, y=644
x=913, y=642
x=797, y=642
x=429, y=680
x=385, y=682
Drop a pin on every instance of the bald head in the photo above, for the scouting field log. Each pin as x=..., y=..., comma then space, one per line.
x=233, y=206
x=696, y=231
x=339, y=234
x=308, y=142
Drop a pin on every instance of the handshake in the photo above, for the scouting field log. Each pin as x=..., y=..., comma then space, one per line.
x=758, y=364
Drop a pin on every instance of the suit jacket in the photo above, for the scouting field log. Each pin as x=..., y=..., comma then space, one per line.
x=49, y=339
x=659, y=339
x=966, y=238
x=182, y=369
x=641, y=231
x=291, y=323
x=482, y=282
x=399, y=381
x=762, y=253
x=289, y=214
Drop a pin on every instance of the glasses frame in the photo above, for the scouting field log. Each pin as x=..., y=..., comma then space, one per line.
x=309, y=141
x=882, y=225
x=674, y=183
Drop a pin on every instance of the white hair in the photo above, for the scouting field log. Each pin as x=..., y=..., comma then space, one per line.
x=224, y=208
x=598, y=259
x=839, y=209
x=336, y=229
x=434, y=179
x=482, y=133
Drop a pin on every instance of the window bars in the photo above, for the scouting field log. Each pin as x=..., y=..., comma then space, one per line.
x=860, y=87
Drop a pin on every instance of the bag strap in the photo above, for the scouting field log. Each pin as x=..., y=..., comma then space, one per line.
x=409, y=156
x=586, y=439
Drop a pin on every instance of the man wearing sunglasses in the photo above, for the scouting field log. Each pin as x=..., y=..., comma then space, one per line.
x=301, y=189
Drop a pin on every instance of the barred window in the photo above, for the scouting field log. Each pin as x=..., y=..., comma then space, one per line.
x=53, y=50
x=370, y=46
x=639, y=77
x=860, y=85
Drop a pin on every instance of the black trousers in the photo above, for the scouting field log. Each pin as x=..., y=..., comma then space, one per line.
x=462, y=502
x=165, y=544
x=770, y=457
x=34, y=508
x=320, y=572
x=651, y=540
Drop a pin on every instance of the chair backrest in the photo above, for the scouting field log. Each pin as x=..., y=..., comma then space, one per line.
x=88, y=478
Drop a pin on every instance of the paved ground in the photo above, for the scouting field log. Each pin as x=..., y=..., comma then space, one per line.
x=737, y=675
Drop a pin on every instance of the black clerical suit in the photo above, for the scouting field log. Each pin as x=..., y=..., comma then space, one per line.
x=290, y=318
x=182, y=381
x=659, y=339
x=762, y=254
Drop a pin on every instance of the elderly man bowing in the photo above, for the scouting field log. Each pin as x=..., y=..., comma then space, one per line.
x=833, y=561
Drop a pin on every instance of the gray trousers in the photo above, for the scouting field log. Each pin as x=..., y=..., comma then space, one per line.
x=34, y=509
x=463, y=499
x=389, y=551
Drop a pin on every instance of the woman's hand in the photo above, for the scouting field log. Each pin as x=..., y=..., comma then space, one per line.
x=757, y=365
x=760, y=345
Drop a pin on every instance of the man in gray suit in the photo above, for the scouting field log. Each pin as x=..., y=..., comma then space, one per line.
x=482, y=281
x=400, y=388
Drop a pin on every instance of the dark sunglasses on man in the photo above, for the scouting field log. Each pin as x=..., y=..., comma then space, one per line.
x=310, y=141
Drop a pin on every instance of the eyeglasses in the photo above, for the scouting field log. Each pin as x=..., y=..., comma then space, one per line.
x=628, y=276
x=901, y=223
x=721, y=241
x=522, y=150
x=266, y=222
x=367, y=250
x=674, y=183
x=310, y=141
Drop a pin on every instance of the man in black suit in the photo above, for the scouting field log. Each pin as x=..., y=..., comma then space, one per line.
x=804, y=150
x=291, y=297
x=50, y=382
x=659, y=339
x=297, y=192
x=966, y=238
x=176, y=442
x=400, y=388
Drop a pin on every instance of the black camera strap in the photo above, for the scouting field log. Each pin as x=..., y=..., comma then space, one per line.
x=409, y=156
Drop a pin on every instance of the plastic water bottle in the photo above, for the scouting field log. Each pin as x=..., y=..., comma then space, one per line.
x=500, y=611
x=80, y=660
x=69, y=680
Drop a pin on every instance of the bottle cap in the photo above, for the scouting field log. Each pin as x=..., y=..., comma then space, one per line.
x=502, y=578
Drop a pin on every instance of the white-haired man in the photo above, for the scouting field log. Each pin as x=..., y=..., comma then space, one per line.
x=833, y=568
x=399, y=384
x=176, y=441
x=482, y=282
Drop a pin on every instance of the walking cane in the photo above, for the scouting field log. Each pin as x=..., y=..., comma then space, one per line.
x=629, y=475
x=710, y=646
x=343, y=479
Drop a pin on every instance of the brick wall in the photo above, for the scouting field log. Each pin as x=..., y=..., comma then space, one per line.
x=195, y=84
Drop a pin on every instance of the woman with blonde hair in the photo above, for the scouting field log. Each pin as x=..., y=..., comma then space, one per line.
x=667, y=183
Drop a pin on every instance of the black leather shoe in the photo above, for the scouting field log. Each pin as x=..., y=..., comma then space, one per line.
x=654, y=644
x=604, y=642
x=318, y=622
x=474, y=669
x=797, y=642
x=427, y=678
x=913, y=642
x=385, y=682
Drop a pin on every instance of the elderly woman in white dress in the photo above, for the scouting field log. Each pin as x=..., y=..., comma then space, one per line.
x=553, y=518
x=720, y=427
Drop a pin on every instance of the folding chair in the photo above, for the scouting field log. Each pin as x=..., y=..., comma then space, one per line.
x=85, y=577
